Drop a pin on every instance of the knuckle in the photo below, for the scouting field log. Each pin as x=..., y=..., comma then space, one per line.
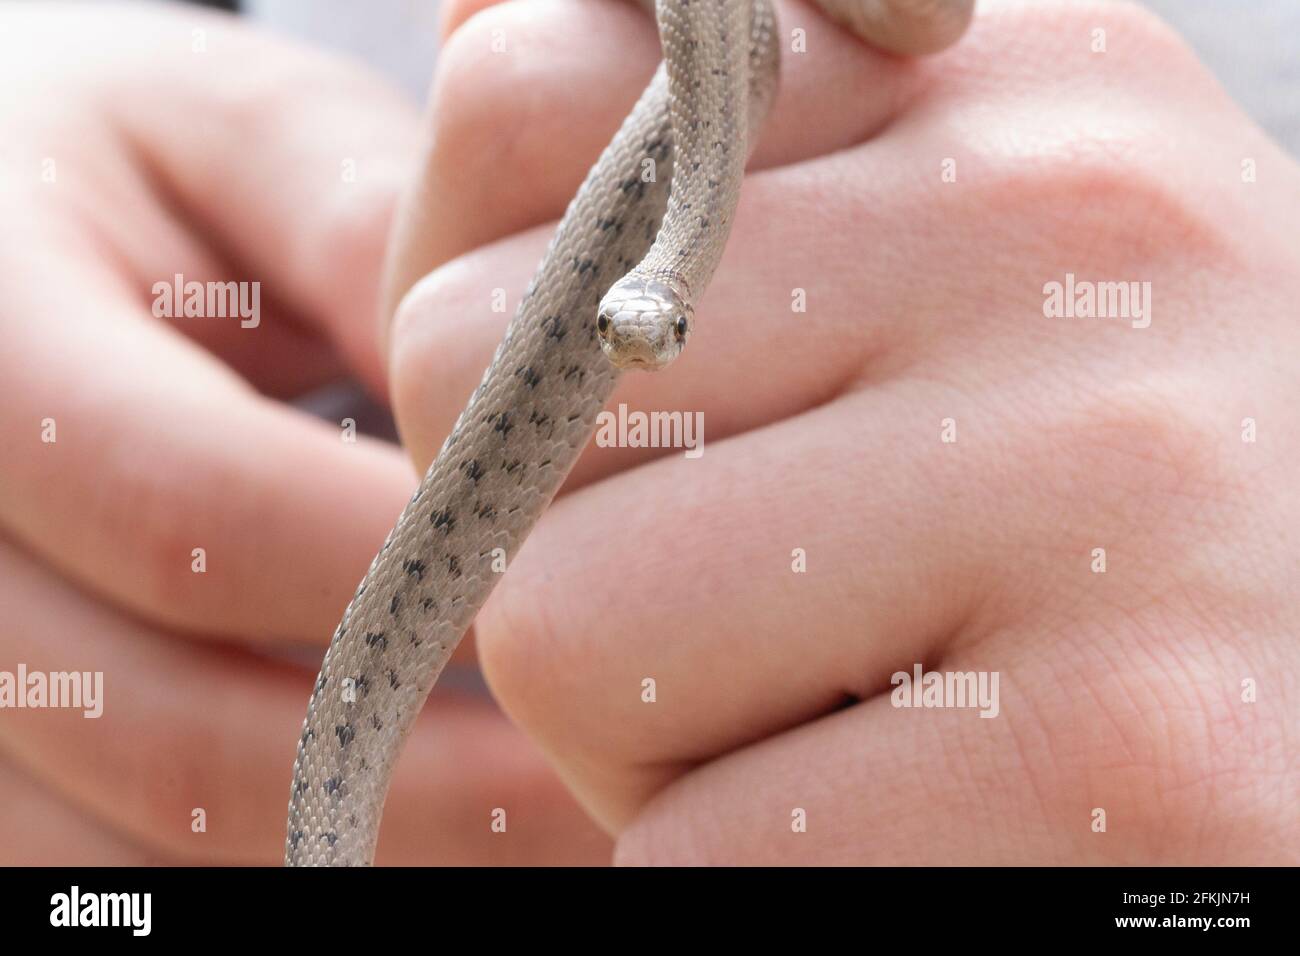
x=1082, y=48
x=353, y=227
x=161, y=549
x=162, y=811
x=1203, y=755
x=456, y=12
x=499, y=79
x=1137, y=461
x=675, y=827
x=430, y=327
x=1104, y=196
x=521, y=651
x=1151, y=36
x=914, y=26
x=478, y=91
x=639, y=845
x=1133, y=34
x=231, y=827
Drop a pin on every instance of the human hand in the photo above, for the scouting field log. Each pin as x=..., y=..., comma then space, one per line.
x=924, y=209
x=142, y=142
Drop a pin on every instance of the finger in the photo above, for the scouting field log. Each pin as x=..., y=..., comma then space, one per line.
x=309, y=208
x=194, y=734
x=169, y=486
x=905, y=26
x=871, y=785
x=828, y=281
x=901, y=26
x=37, y=828
x=161, y=446
x=456, y=12
x=797, y=566
x=773, y=339
x=282, y=361
x=643, y=577
x=105, y=206
x=257, y=337
x=561, y=96
x=1097, y=755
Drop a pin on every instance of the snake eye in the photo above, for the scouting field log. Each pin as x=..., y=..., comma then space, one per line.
x=602, y=324
x=680, y=328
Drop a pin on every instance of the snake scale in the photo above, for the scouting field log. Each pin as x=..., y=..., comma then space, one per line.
x=615, y=290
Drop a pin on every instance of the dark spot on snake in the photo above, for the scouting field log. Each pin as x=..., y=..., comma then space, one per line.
x=376, y=722
x=414, y=566
x=377, y=639
x=346, y=734
x=555, y=328
x=473, y=470
x=453, y=566
x=443, y=519
x=503, y=425
x=333, y=786
x=393, y=682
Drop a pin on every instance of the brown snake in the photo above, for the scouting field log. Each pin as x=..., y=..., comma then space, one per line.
x=616, y=289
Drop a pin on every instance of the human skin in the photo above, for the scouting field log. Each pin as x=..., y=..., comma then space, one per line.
x=1162, y=690
x=135, y=149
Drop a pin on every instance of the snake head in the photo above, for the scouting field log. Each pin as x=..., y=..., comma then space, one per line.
x=643, y=322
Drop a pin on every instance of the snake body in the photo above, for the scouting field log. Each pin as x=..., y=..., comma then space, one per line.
x=616, y=289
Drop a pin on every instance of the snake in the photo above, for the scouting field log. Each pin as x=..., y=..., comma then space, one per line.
x=616, y=290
